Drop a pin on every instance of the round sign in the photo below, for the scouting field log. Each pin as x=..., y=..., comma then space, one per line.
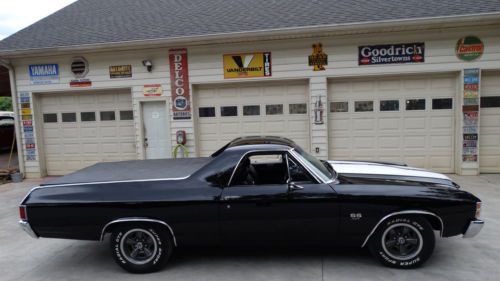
x=469, y=48
x=180, y=103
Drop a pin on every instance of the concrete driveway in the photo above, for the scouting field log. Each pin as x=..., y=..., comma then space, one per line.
x=24, y=258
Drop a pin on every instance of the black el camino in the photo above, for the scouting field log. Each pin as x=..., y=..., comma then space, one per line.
x=253, y=191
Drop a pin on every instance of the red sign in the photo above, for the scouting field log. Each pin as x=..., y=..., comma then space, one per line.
x=30, y=145
x=28, y=123
x=179, y=81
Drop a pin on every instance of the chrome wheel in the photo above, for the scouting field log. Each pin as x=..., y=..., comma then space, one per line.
x=138, y=246
x=402, y=241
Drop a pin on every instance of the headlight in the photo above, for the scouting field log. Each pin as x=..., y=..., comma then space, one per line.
x=478, y=210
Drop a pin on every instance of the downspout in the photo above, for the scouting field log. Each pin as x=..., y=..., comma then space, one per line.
x=13, y=94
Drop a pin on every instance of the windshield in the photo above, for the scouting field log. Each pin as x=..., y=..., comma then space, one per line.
x=314, y=164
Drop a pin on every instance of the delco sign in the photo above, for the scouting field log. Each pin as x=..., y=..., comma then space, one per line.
x=44, y=73
x=392, y=53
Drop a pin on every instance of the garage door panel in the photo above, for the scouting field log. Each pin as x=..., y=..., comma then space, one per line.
x=410, y=136
x=70, y=146
x=489, y=139
x=215, y=131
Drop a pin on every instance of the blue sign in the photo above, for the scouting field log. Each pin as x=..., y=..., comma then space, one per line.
x=27, y=129
x=25, y=100
x=44, y=73
x=471, y=80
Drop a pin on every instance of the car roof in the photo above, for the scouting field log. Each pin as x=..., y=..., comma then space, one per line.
x=257, y=143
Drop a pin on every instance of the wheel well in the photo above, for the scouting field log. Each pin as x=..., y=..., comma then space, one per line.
x=109, y=227
x=435, y=223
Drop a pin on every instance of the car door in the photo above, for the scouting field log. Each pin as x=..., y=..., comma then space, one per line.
x=302, y=211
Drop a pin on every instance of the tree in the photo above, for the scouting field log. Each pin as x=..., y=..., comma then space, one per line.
x=5, y=104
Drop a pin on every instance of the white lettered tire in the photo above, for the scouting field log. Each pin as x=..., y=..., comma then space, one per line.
x=403, y=241
x=141, y=247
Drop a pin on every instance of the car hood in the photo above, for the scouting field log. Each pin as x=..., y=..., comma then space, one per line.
x=382, y=170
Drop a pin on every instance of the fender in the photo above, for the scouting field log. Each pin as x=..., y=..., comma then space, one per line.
x=404, y=213
x=137, y=219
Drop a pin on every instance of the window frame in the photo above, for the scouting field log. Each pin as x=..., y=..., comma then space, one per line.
x=72, y=112
x=388, y=100
x=425, y=104
x=212, y=107
x=441, y=98
x=220, y=110
x=373, y=106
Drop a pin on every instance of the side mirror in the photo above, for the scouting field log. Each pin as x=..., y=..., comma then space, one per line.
x=293, y=186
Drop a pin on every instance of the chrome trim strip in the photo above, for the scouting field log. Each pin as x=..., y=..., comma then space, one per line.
x=137, y=219
x=26, y=196
x=27, y=228
x=124, y=181
x=403, y=213
x=474, y=228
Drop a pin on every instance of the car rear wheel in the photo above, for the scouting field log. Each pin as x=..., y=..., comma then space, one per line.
x=403, y=242
x=141, y=248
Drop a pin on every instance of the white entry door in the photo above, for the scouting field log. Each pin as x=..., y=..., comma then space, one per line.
x=156, y=130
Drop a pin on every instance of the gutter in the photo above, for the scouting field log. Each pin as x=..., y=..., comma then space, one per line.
x=13, y=94
x=279, y=33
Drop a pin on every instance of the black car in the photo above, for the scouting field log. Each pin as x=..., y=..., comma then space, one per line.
x=253, y=191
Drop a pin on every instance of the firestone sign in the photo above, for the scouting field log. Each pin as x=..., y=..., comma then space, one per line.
x=179, y=82
x=391, y=53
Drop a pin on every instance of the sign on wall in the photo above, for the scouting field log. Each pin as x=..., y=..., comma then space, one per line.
x=43, y=74
x=27, y=129
x=152, y=90
x=179, y=81
x=247, y=65
x=80, y=68
x=469, y=48
x=318, y=58
x=120, y=71
x=470, y=111
x=391, y=53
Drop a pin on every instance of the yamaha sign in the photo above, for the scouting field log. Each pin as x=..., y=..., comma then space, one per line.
x=393, y=53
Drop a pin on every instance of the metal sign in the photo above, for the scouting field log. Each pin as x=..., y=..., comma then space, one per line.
x=391, y=53
x=179, y=81
x=152, y=90
x=318, y=58
x=470, y=111
x=469, y=48
x=120, y=71
x=246, y=65
x=43, y=74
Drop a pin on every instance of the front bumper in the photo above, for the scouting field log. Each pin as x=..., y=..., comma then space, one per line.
x=27, y=228
x=474, y=228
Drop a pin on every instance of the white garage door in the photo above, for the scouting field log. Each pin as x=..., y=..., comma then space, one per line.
x=403, y=119
x=489, y=139
x=229, y=111
x=81, y=129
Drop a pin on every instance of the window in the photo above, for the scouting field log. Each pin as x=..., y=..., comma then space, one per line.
x=415, y=104
x=490, y=102
x=50, y=118
x=126, y=115
x=274, y=109
x=87, y=116
x=297, y=108
x=107, y=115
x=297, y=173
x=250, y=110
x=446, y=103
x=261, y=169
x=389, y=105
x=206, y=111
x=228, y=111
x=339, y=106
x=69, y=117
x=363, y=106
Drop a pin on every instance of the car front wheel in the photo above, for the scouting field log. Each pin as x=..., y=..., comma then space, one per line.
x=141, y=248
x=403, y=242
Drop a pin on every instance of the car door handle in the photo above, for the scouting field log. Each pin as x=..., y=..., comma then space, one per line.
x=230, y=197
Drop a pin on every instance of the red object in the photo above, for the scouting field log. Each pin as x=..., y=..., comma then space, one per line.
x=180, y=137
x=179, y=81
x=22, y=213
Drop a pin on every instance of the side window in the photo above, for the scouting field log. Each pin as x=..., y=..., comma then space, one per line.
x=261, y=169
x=297, y=173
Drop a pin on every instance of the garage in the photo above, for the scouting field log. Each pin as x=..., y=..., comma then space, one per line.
x=225, y=112
x=406, y=119
x=83, y=128
x=489, y=139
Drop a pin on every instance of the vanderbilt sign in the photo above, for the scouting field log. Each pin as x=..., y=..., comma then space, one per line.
x=247, y=65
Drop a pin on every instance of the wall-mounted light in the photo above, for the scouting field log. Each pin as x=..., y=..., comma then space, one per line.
x=148, y=64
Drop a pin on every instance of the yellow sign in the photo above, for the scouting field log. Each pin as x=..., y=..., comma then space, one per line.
x=318, y=58
x=247, y=65
x=152, y=90
x=27, y=117
x=25, y=111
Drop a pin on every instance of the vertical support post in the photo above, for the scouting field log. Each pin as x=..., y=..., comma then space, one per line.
x=318, y=101
x=469, y=140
